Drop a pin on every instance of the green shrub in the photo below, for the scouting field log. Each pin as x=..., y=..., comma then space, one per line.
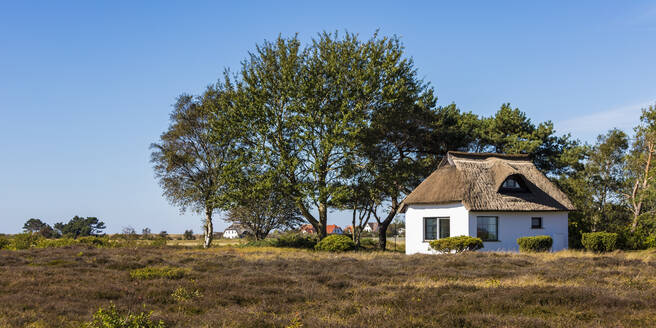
x=158, y=242
x=100, y=242
x=24, y=241
x=457, y=244
x=110, y=318
x=368, y=243
x=158, y=272
x=599, y=241
x=650, y=241
x=535, y=244
x=296, y=240
x=4, y=242
x=53, y=243
x=335, y=243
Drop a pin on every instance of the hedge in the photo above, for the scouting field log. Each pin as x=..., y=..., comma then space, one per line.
x=535, y=244
x=457, y=244
x=599, y=241
x=335, y=243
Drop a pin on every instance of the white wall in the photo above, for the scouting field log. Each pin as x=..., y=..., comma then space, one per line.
x=513, y=225
x=414, y=224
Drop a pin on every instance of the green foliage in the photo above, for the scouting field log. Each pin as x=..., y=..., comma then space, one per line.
x=157, y=272
x=335, y=243
x=599, y=241
x=296, y=240
x=56, y=243
x=4, y=242
x=24, y=241
x=535, y=243
x=182, y=295
x=80, y=227
x=650, y=241
x=39, y=227
x=95, y=241
x=111, y=318
x=158, y=242
x=457, y=244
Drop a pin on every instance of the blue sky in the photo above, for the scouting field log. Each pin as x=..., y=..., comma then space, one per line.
x=86, y=86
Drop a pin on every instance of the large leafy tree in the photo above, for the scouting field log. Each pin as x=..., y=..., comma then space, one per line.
x=37, y=226
x=80, y=227
x=195, y=157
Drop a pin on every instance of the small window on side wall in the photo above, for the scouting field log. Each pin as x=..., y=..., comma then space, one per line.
x=536, y=223
x=430, y=228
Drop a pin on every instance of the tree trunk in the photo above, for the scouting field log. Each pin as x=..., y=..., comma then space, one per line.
x=323, y=220
x=382, y=236
x=637, y=208
x=209, y=228
x=382, y=225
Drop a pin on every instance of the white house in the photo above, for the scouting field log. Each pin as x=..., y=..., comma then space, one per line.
x=496, y=197
x=234, y=231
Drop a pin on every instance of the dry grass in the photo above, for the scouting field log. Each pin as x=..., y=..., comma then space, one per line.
x=267, y=287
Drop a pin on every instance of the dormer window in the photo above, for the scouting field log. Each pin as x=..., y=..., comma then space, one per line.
x=513, y=183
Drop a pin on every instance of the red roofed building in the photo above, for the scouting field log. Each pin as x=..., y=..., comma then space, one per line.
x=307, y=228
x=348, y=229
x=334, y=229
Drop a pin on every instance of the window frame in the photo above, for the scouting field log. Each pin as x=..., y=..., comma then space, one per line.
x=496, y=226
x=439, y=226
x=540, y=226
x=423, y=227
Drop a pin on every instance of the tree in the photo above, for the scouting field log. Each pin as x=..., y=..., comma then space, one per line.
x=37, y=226
x=305, y=107
x=265, y=210
x=146, y=233
x=193, y=158
x=80, y=227
x=640, y=166
x=189, y=235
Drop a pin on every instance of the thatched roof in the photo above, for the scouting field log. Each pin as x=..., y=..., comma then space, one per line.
x=475, y=179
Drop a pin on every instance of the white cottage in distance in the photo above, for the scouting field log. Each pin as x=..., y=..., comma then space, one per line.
x=496, y=197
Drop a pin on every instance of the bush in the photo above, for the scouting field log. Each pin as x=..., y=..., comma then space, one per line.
x=158, y=242
x=535, y=244
x=4, y=242
x=189, y=235
x=24, y=241
x=54, y=243
x=368, y=243
x=457, y=244
x=650, y=241
x=268, y=242
x=110, y=318
x=94, y=241
x=599, y=241
x=158, y=272
x=335, y=243
x=296, y=240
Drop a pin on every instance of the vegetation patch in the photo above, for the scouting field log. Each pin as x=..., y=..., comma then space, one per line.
x=158, y=272
x=335, y=243
x=599, y=241
x=457, y=244
x=535, y=244
x=111, y=318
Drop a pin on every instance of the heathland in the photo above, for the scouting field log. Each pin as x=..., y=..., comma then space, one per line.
x=278, y=287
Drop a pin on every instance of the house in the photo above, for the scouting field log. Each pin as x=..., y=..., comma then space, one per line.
x=235, y=231
x=371, y=227
x=333, y=229
x=496, y=197
x=348, y=229
x=307, y=228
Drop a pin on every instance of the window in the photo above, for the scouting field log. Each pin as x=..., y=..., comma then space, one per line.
x=536, y=223
x=430, y=228
x=487, y=228
x=511, y=183
x=445, y=228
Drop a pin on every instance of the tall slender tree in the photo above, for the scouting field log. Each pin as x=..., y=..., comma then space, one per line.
x=195, y=157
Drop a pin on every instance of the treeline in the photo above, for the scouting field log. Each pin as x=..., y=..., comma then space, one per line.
x=349, y=124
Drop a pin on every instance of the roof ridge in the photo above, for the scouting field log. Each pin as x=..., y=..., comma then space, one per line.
x=463, y=154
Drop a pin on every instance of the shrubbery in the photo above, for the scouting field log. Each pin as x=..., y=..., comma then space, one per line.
x=535, y=244
x=4, y=242
x=335, y=243
x=53, y=243
x=599, y=241
x=24, y=241
x=110, y=318
x=158, y=272
x=650, y=242
x=457, y=244
x=288, y=239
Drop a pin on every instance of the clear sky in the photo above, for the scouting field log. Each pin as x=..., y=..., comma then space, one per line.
x=86, y=86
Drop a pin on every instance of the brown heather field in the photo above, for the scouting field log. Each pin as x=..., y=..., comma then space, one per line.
x=266, y=287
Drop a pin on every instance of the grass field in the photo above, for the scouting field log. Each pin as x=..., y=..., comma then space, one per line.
x=267, y=287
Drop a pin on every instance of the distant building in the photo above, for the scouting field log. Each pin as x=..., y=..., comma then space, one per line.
x=235, y=231
x=333, y=229
x=371, y=227
x=348, y=229
x=307, y=228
